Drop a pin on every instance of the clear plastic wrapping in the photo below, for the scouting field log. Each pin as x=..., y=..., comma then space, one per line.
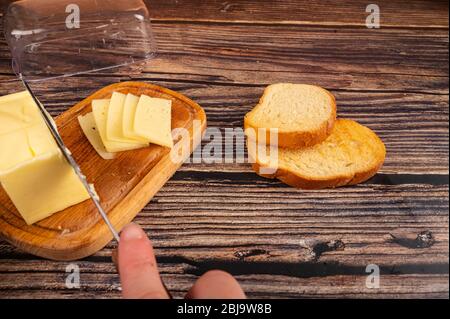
x=56, y=38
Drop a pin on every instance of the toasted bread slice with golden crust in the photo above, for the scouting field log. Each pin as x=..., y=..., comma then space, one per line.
x=350, y=155
x=303, y=114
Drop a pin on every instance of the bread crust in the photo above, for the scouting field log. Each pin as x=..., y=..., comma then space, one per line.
x=297, y=138
x=293, y=179
x=297, y=181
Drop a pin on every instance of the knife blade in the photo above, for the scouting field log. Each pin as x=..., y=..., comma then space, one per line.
x=65, y=151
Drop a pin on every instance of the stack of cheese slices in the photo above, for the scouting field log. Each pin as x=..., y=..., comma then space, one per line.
x=314, y=149
x=127, y=122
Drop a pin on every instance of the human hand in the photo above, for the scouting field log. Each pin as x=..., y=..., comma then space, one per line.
x=140, y=276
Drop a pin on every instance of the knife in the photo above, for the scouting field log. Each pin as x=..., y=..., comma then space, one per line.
x=65, y=151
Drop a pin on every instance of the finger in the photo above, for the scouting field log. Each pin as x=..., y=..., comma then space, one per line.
x=216, y=284
x=137, y=265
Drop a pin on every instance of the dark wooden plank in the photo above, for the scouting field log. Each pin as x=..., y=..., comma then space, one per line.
x=267, y=235
x=414, y=14
x=203, y=218
x=101, y=285
x=391, y=60
x=417, y=13
x=199, y=219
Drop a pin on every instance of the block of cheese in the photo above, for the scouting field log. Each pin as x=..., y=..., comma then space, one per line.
x=23, y=145
x=129, y=112
x=14, y=148
x=33, y=171
x=100, y=111
x=87, y=124
x=153, y=120
x=114, y=126
x=23, y=132
x=17, y=111
x=40, y=140
x=43, y=186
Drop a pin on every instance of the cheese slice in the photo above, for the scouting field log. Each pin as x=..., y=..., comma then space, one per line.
x=114, y=126
x=153, y=120
x=43, y=186
x=100, y=111
x=129, y=112
x=87, y=124
x=33, y=171
x=114, y=117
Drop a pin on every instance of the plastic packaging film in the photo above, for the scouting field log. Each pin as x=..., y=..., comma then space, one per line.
x=55, y=38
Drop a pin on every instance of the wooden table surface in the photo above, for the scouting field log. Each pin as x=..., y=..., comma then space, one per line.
x=281, y=242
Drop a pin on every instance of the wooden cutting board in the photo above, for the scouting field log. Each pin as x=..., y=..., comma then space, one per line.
x=125, y=184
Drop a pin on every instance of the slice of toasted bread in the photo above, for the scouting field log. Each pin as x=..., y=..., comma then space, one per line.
x=303, y=114
x=350, y=155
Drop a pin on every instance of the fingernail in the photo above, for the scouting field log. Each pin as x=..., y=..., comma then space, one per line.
x=132, y=232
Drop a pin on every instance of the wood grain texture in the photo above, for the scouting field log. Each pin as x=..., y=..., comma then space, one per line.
x=414, y=14
x=124, y=184
x=418, y=13
x=394, y=60
x=306, y=54
x=268, y=235
x=346, y=286
x=281, y=242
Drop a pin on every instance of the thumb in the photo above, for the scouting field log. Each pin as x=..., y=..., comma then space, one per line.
x=137, y=266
